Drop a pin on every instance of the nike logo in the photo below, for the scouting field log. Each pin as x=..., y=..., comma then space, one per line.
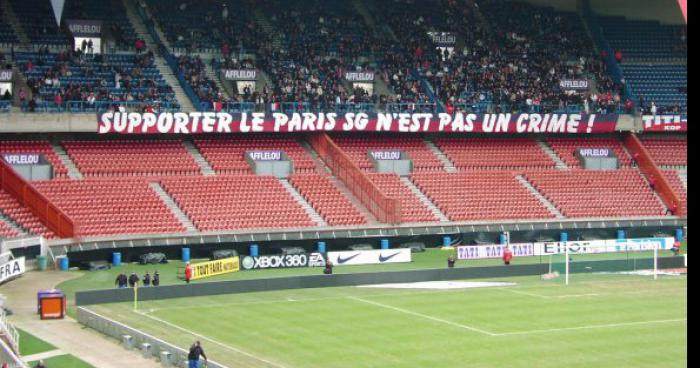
x=342, y=260
x=383, y=259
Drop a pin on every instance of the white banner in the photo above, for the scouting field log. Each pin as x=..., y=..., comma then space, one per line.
x=495, y=251
x=575, y=247
x=12, y=269
x=362, y=257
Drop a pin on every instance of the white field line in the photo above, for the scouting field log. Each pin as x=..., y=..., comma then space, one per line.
x=566, y=296
x=290, y=299
x=592, y=327
x=45, y=355
x=516, y=290
x=420, y=315
x=202, y=337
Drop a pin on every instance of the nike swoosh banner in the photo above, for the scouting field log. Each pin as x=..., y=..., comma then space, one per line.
x=370, y=257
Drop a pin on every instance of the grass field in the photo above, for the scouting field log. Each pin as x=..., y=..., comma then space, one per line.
x=598, y=321
x=30, y=344
x=63, y=361
x=432, y=258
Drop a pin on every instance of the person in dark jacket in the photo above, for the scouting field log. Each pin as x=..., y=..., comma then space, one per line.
x=329, y=267
x=133, y=279
x=195, y=352
x=156, y=279
x=121, y=281
x=451, y=262
x=147, y=279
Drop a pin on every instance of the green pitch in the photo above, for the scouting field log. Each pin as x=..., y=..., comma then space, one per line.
x=598, y=321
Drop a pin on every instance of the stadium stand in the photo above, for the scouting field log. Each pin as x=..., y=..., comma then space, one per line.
x=328, y=200
x=654, y=76
x=71, y=81
x=412, y=210
x=494, y=153
x=41, y=147
x=131, y=158
x=7, y=34
x=480, y=195
x=644, y=38
x=664, y=85
x=203, y=25
x=116, y=206
x=227, y=155
x=358, y=148
x=112, y=13
x=38, y=22
x=236, y=202
x=22, y=216
x=677, y=185
x=6, y=231
x=566, y=148
x=667, y=151
x=588, y=194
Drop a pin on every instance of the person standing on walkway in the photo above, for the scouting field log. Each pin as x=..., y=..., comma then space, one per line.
x=195, y=352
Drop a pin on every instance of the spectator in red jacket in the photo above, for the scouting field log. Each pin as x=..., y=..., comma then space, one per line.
x=652, y=182
x=618, y=56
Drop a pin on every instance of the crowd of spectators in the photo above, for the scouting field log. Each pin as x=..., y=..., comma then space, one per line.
x=519, y=63
x=92, y=80
x=194, y=72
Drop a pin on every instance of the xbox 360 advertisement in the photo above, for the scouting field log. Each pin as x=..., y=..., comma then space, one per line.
x=283, y=261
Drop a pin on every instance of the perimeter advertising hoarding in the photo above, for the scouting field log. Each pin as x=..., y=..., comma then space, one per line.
x=363, y=257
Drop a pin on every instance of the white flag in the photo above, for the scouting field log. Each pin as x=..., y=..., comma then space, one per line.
x=58, y=10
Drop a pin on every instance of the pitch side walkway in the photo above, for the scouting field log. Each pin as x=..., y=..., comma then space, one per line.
x=67, y=335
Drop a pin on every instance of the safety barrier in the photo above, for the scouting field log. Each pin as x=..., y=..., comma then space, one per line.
x=50, y=215
x=151, y=346
x=649, y=168
x=385, y=209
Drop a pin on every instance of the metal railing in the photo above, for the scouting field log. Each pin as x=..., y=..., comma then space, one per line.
x=9, y=334
x=178, y=356
x=99, y=106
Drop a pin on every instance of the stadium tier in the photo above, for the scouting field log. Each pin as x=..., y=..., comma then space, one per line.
x=237, y=202
x=477, y=195
x=588, y=194
x=412, y=209
x=668, y=151
x=7, y=34
x=38, y=23
x=497, y=58
x=131, y=158
x=644, y=39
x=494, y=180
x=358, y=149
x=227, y=155
x=7, y=231
x=115, y=207
x=328, y=200
x=22, y=216
x=41, y=147
x=72, y=82
x=566, y=149
x=505, y=153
